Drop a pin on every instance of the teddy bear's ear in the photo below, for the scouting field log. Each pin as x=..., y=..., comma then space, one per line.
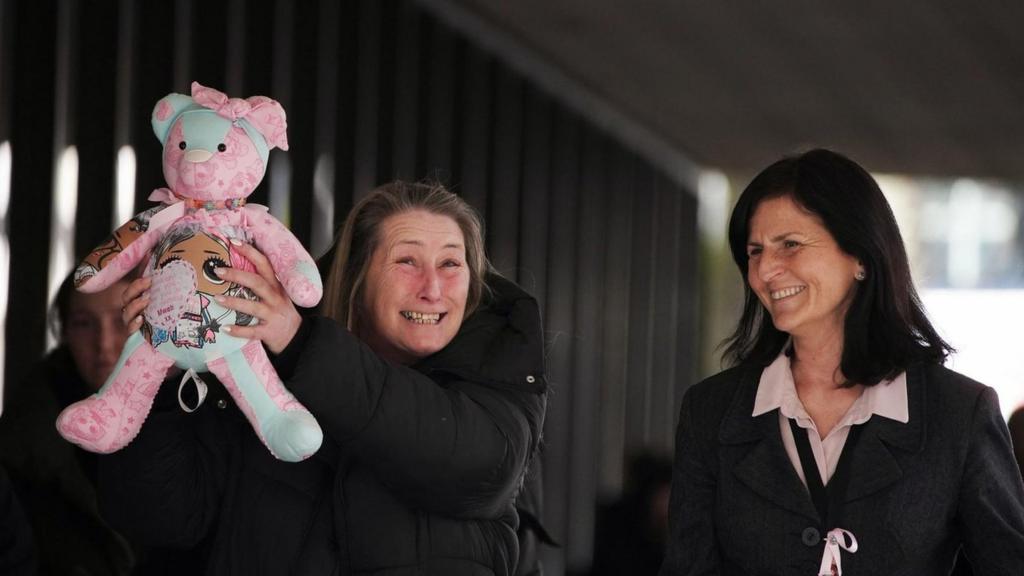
x=167, y=111
x=268, y=117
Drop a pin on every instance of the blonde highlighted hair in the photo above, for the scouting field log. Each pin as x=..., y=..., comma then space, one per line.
x=360, y=236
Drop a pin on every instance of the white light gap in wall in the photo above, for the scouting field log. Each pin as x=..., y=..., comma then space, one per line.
x=62, y=227
x=323, y=204
x=280, y=196
x=5, y=255
x=124, y=201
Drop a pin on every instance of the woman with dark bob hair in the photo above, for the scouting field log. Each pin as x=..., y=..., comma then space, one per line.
x=837, y=439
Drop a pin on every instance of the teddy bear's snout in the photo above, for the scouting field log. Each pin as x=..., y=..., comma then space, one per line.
x=197, y=156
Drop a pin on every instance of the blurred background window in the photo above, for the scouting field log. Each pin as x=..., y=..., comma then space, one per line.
x=967, y=255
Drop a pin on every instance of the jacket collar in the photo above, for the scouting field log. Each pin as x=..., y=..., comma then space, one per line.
x=766, y=469
x=501, y=343
x=776, y=390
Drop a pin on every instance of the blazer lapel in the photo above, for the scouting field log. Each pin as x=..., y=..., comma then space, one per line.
x=876, y=459
x=763, y=466
x=873, y=465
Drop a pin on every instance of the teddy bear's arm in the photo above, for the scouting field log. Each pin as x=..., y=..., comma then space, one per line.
x=110, y=261
x=293, y=265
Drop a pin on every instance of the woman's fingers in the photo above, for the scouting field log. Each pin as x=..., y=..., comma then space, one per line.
x=278, y=319
x=132, y=313
x=134, y=300
x=255, y=282
x=259, y=261
x=134, y=289
x=264, y=270
x=244, y=332
x=275, y=337
x=253, y=308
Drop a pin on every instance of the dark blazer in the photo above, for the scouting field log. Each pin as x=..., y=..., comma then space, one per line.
x=918, y=491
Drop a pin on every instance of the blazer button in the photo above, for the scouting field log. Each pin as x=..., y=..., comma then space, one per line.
x=810, y=536
x=222, y=403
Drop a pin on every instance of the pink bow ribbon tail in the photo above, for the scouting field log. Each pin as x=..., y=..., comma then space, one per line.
x=164, y=196
x=837, y=539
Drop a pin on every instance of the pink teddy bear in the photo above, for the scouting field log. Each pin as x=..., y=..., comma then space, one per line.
x=215, y=154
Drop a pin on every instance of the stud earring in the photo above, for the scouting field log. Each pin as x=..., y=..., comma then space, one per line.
x=860, y=275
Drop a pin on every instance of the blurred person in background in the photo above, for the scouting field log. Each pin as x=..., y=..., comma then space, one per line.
x=630, y=533
x=837, y=439
x=55, y=480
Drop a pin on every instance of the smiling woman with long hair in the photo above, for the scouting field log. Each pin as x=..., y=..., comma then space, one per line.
x=837, y=440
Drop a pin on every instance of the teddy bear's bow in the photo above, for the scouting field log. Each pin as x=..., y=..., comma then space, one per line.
x=230, y=108
x=264, y=114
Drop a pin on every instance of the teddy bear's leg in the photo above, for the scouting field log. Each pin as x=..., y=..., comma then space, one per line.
x=111, y=418
x=282, y=423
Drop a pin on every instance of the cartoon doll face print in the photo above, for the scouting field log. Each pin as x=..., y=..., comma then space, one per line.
x=205, y=254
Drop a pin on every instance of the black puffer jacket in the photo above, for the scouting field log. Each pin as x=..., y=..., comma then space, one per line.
x=417, y=475
x=16, y=555
x=55, y=480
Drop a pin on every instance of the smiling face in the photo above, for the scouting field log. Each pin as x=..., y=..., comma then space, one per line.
x=797, y=270
x=94, y=332
x=414, y=295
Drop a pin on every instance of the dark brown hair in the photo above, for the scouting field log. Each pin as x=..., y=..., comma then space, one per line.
x=885, y=327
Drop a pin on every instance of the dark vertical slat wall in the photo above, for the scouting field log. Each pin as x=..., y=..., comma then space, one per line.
x=471, y=180
x=405, y=89
x=686, y=314
x=559, y=314
x=7, y=17
x=152, y=79
x=668, y=214
x=615, y=366
x=502, y=215
x=535, y=195
x=32, y=131
x=640, y=345
x=587, y=297
x=302, y=77
x=387, y=58
x=325, y=133
x=259, y=47
x=209, y=23
x=439, y=75
x=256, y=75
x=368, y=123
x=603, y=238
x=344, y=101
x=235, y=45
x=94, y=121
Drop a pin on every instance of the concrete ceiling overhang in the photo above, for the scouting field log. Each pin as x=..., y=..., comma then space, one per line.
x=912, y=86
